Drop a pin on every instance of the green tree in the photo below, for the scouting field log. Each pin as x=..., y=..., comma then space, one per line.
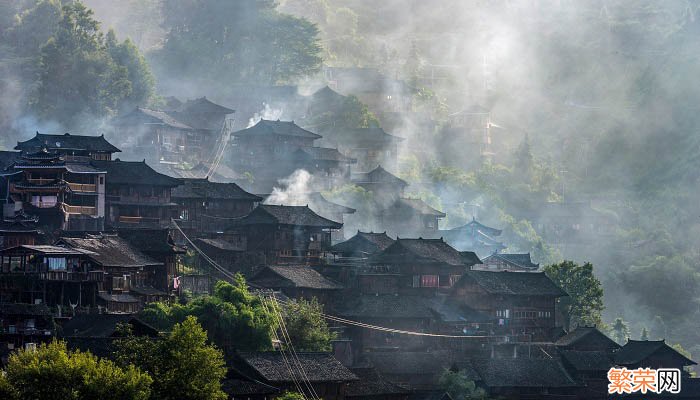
x=138, y=72
x=183, y=365
x=33, y=28
x=53, y=372
x=458, y=385
x=235, y=41
x=290, y=396
x=78, y=77
x=620, y=330
x=584, y=304
x=232, y=317
x=307, y=329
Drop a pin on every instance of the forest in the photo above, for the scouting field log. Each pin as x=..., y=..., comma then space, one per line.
x=591, y=102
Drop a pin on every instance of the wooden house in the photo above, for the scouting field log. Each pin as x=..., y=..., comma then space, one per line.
x=159, y=245
x=650, y=354
x=131, y=277
x=22, y=323
x=19, y=229
x=372, y=385
x=51, y=275
x=285, y=234
x=386, y=187
x=523, y=304
x=508, y=262
x=521, y=378
x=362, y=245
x=73, y=147
x=409, y=313
x=208, y=207
x=136, y=195
x=188, y=133
x=410, y=217
x=369, y=146
x=326, y=375
x=415, y=266
x=64, y=195
x=474, y=236
x=297, y=281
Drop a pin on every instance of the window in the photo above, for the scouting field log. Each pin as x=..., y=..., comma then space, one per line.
x=56, y=264
x=429, y=281
x=102, y=180
x=416, y=280
x=503, y=313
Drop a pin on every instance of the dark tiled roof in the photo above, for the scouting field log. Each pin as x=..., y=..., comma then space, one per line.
x=151, y=241
x=515, y=283
x=385, y=306
x=282, y=128
x=47, y=249
x=425, y=250
x=417, y=205
x=24, y=309
x=203, y=188
x=154, y=116
x=371, y=383
x=364, y=242
x=521, y=260
x=287, y=215
x=300, y=276
x=67, y=142
x=576, y=335
x=319, y=367
x=522, y=372
x=19, y=227
x=133, y=173
x=219, y=244
x=82, y=169
x=323, y=154
x=379, y=175
x=103, y=325
x=470, y=258
x=7, y=158
x=327, y=95
x=244, y=388
x=635, y=351
x=364, y=135
x=110, y=251
x=319, y=201
x=476, y=226
x=203, y=105
x=587, y=360
x=102, y=347
x=409, y=362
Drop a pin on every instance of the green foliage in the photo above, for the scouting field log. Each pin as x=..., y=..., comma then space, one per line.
x=460, y=387
x=53, y=372
x=351, y=113
x=307, y=329
x=81, y=75
x=232, y=317
x=584, y=304
x=290, y=396
x=183, y=365
x=620, y=331
x=236, y=41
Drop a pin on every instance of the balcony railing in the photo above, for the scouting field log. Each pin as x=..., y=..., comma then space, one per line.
x=83, y=187
x=138, y=220
x=82, y=210
x=41, y=181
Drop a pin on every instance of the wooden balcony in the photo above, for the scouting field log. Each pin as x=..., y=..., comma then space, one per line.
x=65, y=276
x=138, y=220
x=83, y=187
x=41, y=181
x=81, y=210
